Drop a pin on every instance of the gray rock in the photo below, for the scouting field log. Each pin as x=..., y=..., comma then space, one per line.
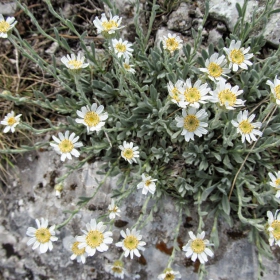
x=213, y=37
x=8, y=8
x=180, y=20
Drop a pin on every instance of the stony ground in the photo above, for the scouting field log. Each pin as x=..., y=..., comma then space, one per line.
x=28, y=191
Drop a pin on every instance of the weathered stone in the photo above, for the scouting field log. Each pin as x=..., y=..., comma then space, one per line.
x=180, y=20
x=8, y=8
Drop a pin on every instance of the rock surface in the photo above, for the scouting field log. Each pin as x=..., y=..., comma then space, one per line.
x=30, y=195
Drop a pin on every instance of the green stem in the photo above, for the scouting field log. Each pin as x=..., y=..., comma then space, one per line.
x=175, y=243
x=143, y=212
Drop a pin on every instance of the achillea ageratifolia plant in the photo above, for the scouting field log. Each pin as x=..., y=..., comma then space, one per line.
x=180, y=117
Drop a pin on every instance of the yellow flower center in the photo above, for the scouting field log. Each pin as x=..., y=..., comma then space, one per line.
x=237, y=56
x=115, y=209
x=245, y=127
x=91, y=119
x=198, y=246
x=126, y=66
x=75, y=63
x=4, y=26
x=191, y=123
x=227, y=97
x=108, y=25
x=66, y=146
x=120, y=47
x=175, y=94
x=94, y=238
x=147, y=183
x=276, y=229
x=172, y=44
x=43, y=235
x=11, y=121
x=215, y=70
x=75, y=249
x=192, y=95
x=169, y=276
x=128, y=153
x=277, y=91
x=131, y=242
x=277, y=182
x=117, y=267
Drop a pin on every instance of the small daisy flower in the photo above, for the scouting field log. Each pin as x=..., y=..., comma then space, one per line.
x=147, y=184
x=215, y=67
x=197, y=248
x=122, y=48
x=275, y=182
x=41, y=237
x=95, y=238
x=128, y=67
x=194, y=95
x=117, y=269
x=172, y=42
x=131, y=243
x=176, y=91
x=274, y=227
x=128, y=152
x=106, y=26
x=238, y=57
x=114, y=210
x=246, y=128
x=11, y=121
x=226, y=95
x=169, y=274
x=74, y=62
x=66, y=146
x=58, y=189
x=6, y=25
x=275, y=89
x=92, y=117
x=192, y=123
x=79, y=254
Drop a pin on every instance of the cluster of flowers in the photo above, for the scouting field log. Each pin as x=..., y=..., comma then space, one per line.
x=187, y=95
x=95, y=238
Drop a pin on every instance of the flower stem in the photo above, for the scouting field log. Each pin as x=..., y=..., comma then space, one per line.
x=175, y=242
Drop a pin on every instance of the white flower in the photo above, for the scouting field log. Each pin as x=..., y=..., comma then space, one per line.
x=238, y=57
x=129, y=152
x=95, y=238
x=6, y=25
x=192, y=123
x=245, y=126
x=128, y=67
x=275, y=182
x=122, y=48
x=172, y=42
x=41, y=237
x=197, y=248
x=274, y=227
x=58, y=189
x=194, y=95
x=114, y=210
x=79, y=254
x=275, y=89
x=107, y=26
x=11, y=121
x=215, y=67
x=66, y=145
x=169, y=274
x=117, y=269
x=74, y=63
x=131, y=243
x=226, y=95
x=92, y=118
x=147, y=184
x=176, y=91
